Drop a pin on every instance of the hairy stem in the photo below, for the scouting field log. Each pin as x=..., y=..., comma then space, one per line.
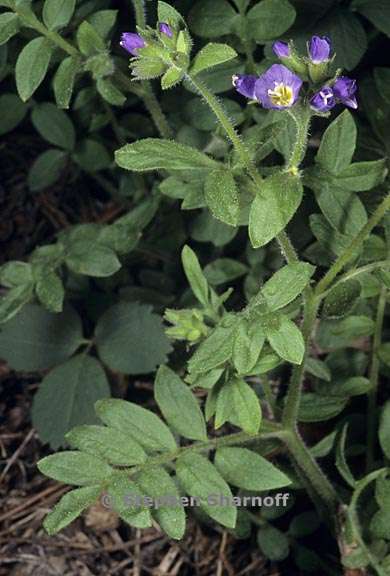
x=301, y=116
x=149, y=96
x=269, y=430
x=293, y=399
x=312, y=472
x=374, y=377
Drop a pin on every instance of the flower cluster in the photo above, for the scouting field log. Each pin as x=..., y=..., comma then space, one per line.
x=280, y=86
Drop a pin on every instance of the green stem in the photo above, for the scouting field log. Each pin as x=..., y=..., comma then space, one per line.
x=149, y=97
x=356, y=243
x=284, y=242
x=374, y=377
x=269, y=430
x=302, y=116
x=312, y=472
x=353, y=517
x=293, y=398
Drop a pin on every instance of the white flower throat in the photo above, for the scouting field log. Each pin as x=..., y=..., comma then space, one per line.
x=281, y=95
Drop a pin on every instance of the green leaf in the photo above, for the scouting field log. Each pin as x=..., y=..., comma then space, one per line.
x=159, y=154
x=382, y=81
x=354, y=386
x=13, y=111
x=130, y=338
x=211, y=55
x=178, y=405
x=224, y=270
x=213, y=351
x=316, y=408
x=46, y=169
x=15, y=273
x=248, y=342
x=318, y=368
x=342, y=299
x=273, y=543
x=206, y=381
x=384, y=353
x=247, y=407
x=31, y=66
x=109, y=92
x=126, y=499
x=167, y=13
x=72, y=467
x=248, y=470
x=270, y=19
x=56, y=14
x=378, y=12
x=157, y=484
x=66, y=398
x=212, y=19
x=343, y=209
x=195, y=275
x=103, y=21
x=384, y=430
x=338, y=144
x=141, y=424
x=9, y=26
x=363, y=176
x=92, y=156
x=54, y=125
x=273, y=207
x=201, y=480
x=171, y=77
x=70, y=507
x=109, y=444
x=222, y=196
x=64, y=79
x=14, y=300
x=36, y=339
x=92, y=259
x=287, y=284
x=50, y=291
x=88, y=39
x=287, y=340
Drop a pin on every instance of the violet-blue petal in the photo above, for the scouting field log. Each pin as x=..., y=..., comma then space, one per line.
x=164, y=28
x=245, y=85
x=319, y=49
x=278, y=88
x=281, y=49
x=324, y=100
x=131, y=42
x=345, y=89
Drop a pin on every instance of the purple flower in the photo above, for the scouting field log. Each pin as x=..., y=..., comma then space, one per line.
x=132, y=42
x=245, y=85
x=164, y=28
x=324, y=100
x=319, y=49
x=278, y=88
x=281, y=49
x=345, y=89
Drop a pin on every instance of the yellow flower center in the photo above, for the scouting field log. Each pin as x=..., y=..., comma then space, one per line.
x=281, y=95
